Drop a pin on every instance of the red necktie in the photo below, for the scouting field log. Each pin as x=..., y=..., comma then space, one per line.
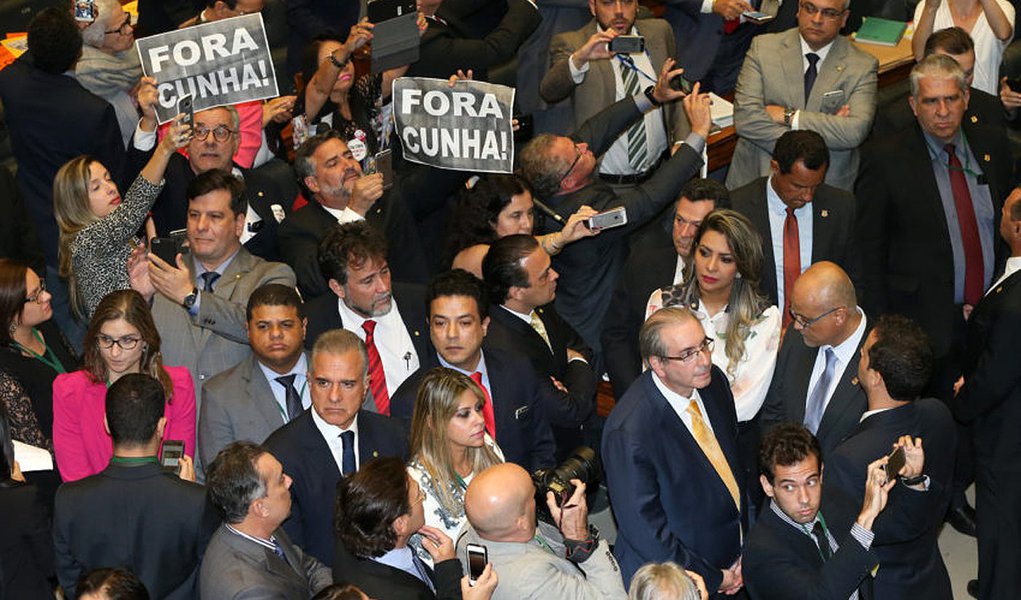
x=730, y=25
x=973, y=264
x=487, y=408
x=377, y=379
x=791, y=261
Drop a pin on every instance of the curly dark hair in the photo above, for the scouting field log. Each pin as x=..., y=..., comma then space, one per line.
x=116, y=584
x=902, y=355
x=352, y=243
x=368, y=503
x=787, y=444
x=457, y=282
x=54, y=40
x=477, y=210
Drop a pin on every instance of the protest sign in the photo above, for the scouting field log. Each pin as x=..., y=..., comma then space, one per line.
x=465, y=128
x=218, y=63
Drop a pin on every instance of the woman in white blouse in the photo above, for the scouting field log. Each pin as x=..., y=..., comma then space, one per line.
x=990, y=23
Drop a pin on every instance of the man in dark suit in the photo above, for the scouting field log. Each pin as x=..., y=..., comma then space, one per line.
x=338, y=192
x=134, y=513
x=562, y=172
x=331, y=439
x=675, y=494
x=816, y=376
x=793, y=208
x=250, y=555
x=989, y=402
x=518, y=403
x=813, y=543
x=895, y=365
x=656, y=261
x=518, y=275
x=363, y=297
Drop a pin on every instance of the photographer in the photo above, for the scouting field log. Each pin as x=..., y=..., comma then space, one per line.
x=533, y=558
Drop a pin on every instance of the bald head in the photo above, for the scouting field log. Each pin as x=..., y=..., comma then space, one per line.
x=829, y=283
x=824, y=298
x=499, y=504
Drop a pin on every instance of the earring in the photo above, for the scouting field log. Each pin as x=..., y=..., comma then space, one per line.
x=13, y=328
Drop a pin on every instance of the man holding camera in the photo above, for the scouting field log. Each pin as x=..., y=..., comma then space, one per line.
x=535, y=559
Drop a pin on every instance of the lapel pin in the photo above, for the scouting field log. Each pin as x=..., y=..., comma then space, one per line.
x=840, y=68
x=260, y=194
x=375, y=454
x=825, y=213
x=974, y=118
x=854, y=381
x=417, y=334
x=999, y=289
x=986, y=157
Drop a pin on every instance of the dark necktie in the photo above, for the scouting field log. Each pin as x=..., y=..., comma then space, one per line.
x=817, y=399
x=423, y=571
x=209, y=280
x=819, y=532
x=791, y=261
x=348, y=461
x=377, y=378
x=973, y=263
x=293, y=399
x=278, y=550
x=810, y=74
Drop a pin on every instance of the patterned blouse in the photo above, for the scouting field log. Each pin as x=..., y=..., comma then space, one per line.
x=20, y=414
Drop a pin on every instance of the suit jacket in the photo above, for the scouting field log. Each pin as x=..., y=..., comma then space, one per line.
x=669, y=502
x=599, y=90
x=301, y=449
x=215, y=339
x=26, y=544
x=788, y=392
x=235, y=567
x=383, y=581
x=781, y=562
x=522, y=428
x=894, y=116
x=907, y=529
x=300, y=233
x=833, y=221
x=139, y=516
x=772, y=74
x=903, y=239
x=698, y=36
x=18, y=239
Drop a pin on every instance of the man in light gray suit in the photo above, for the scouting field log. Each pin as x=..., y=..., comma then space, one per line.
x=199, y=305
x=805, y=78
x=250, y=555
x=265, y=391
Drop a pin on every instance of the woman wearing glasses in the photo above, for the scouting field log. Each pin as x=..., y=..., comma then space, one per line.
x=109, y=66
x=121, y=339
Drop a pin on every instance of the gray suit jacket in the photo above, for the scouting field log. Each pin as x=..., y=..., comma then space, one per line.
x=773, y=74
x=236, y=568
x=598, y=89
x=215, y=338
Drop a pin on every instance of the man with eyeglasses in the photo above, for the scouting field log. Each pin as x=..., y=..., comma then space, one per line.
x=809, y=77
x=671, y=458
x=816, y=376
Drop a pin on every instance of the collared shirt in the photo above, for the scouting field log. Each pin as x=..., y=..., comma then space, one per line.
x=527, y=318
x=777, y=211
x=331, y=433
x=822, y=53
x=1013, y=265
x=680, y=404
x=401, y=558
x=481, y=368
x=679, y=271
x=344, y=215
x=201, y=284
x=869, y=413
x=844, y=352
x=269, y=544
x=392, y=340
x=985, y=214
x=300, y=371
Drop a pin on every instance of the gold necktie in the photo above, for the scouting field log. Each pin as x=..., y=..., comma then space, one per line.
x=540, y=328
x=707, y=441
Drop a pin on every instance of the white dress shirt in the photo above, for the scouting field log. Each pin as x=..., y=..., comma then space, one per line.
x=331, y=433
x=392, y=341
x=300, y=372
x=680, y=404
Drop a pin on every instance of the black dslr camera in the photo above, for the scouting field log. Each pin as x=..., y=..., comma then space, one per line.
x=582, y=465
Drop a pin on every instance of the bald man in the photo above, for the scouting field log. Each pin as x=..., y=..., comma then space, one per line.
x=816, y=377
x=534, y=559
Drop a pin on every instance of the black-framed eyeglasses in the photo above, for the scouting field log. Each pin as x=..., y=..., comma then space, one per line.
x=220, y=133
x=805, y=323
x=577, y=157
x=127, y=342
x=827, y=13
x=127, y=26
x=687, y=355
x=37, y=295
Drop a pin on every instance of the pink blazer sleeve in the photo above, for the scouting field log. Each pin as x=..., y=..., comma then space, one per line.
x=71, y=426
x=180, y=412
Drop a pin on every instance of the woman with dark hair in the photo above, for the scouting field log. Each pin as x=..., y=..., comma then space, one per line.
x=121, y=339
x=111, y=584
x=26, y=546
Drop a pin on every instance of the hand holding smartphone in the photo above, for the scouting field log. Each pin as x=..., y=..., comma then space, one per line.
x=477, y=556
x=894, y=464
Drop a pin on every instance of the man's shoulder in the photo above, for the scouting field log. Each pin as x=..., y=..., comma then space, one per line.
x=654, y=28
x=751, y=194
x=636, y=406
x=299, y=432
x=857, y=57
x=224, y=386
x=311, y=217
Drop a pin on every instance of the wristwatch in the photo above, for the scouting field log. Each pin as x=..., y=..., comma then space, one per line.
x=788, y=114
x=648, y=94
x=189, y=300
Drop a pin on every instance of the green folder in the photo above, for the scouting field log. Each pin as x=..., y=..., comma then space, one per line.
x=883, y=32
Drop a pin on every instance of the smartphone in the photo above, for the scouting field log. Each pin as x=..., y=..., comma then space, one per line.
x=166, y=248
x=757, y=17
x=895, y=464
x=526, y=126
x=184, y=107
x=679, y=83
x=382, y=10
x=170, y=457
x=615, y=217
x=385, y=167
x=478, y=556
x=627, y=44
x=1014, y=84
x=85, y=11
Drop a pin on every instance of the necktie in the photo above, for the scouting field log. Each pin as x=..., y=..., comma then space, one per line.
x=278, y=549
x=209, y=279
x=540, y=328
x=819, y=533
x=973, y=264
x=707, y=441
x=791, y=261
x=347, y=439
x=294, y=406
x=636, y=143
x=487, y=408
x=810, y=74
x=377, y=378
x=423, y=572
x=817, y=399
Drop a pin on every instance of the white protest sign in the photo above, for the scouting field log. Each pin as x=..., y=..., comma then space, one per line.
x=465, y=128
x=218, y=63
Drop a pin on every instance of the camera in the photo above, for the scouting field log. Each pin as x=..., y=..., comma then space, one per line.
x=582, y=465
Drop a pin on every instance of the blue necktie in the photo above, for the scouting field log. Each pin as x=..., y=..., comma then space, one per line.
x=348, y=462
x=810, y=74
x=817, y=399
x=293, y=400
x=208, y=280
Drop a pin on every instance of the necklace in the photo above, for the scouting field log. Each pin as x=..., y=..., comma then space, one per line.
x=47, y=358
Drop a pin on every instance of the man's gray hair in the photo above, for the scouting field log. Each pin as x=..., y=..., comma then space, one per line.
x=94, y=34
x=936, y=66
x=543, y=171
x=340, y=341
x=650, y=339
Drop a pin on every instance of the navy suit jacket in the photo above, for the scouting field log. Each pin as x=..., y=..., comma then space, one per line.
x=669, y=502
x=522, y=429
x=301, y=449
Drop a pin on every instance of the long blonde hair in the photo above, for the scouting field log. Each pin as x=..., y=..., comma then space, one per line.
x=73, y=213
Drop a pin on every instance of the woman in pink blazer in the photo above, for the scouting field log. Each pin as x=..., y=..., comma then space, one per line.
x=121, y=339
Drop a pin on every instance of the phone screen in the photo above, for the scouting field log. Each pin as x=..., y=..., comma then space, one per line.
x=895, y=464
x=173, y=450
x=165, y=248
x=477, y=559
x=85, y=10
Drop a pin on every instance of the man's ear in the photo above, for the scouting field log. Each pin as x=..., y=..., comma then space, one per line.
x=400, y=525
x=767, y=487
x=911, y=103
x=312, y=185
x=336, y=288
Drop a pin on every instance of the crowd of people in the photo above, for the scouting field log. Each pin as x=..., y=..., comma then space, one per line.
x=268, y=370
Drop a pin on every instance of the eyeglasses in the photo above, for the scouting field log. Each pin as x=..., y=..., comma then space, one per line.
x=125, y=28
x=37, y=296
x=827, y=13
x=577, y=157
x=420, y=497
x=689, y=354
x=220, y=133
x=805, y=323
x=127, y=342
